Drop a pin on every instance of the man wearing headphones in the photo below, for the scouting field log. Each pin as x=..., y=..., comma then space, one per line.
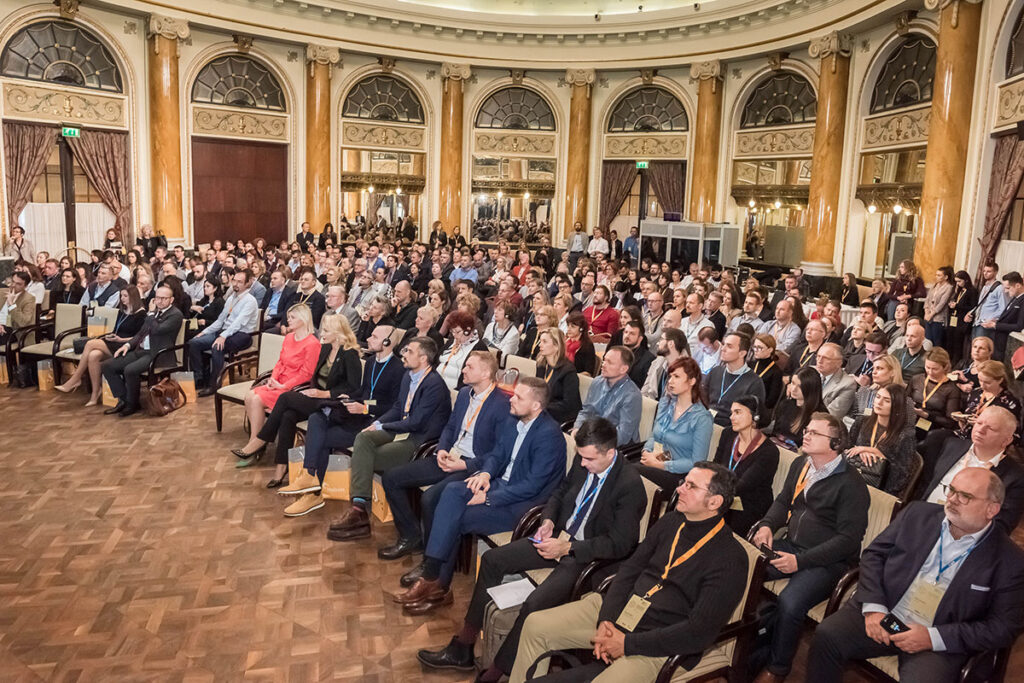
x=824, y=507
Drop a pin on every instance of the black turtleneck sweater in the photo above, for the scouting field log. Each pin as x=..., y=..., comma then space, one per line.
x=697, y=598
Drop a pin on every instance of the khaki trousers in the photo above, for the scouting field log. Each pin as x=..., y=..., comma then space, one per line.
x=573, y=626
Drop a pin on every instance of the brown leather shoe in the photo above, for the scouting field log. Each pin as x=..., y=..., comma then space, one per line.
x=424, y=606
x=767, y=676
x=421, y=590
x=355, y=517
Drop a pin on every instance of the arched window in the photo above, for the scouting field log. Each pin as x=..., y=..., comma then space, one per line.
x=515, y=109
x=61, y=52
x=782, y=99
x=1015, y=51
x=238, y=81
x=383, y=98
x=907, y=77
x=648, y=110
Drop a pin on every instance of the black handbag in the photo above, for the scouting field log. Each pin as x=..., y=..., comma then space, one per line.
x=78, y=345
x=873, y=475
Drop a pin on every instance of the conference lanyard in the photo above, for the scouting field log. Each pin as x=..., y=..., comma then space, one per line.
x=673, y=563
x=874, y=435
x=913, y=357
x=766, y=369
x=374, y=380
x=723, y=390
x=984, y=404
x=928, y=395
x=586, y=499
x=801, y=483
x=954, y=561
x=469, y=422
x=412, y=393
x=547, y=377
x=751, y=447
x=804, y=357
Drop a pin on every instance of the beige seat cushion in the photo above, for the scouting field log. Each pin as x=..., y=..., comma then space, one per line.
x=713, y=660
x=69, y=354
x=538, y=575
x=498, y=540
x=887, y=665
x=235, y=392
x=40, y=349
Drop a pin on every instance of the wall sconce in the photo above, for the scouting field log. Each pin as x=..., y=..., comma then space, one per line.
x=872, y=208
x=897, y=208
x=526, y=195
x=500, y=194
x=778, y=204
x=370, y=189
x=751, y=203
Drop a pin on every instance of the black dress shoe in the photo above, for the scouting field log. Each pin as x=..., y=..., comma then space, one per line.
x=401, y=548
x=206, y=391
x=116, y=409
x=129, y=411
x=455, y=656
x=411, y=577
x=239, y=453
x=277, y=483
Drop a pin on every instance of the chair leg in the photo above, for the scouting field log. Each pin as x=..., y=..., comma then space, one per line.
x=218, y=409
x=56, y=364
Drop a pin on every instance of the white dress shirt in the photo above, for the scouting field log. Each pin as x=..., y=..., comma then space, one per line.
x=968, y=459
x=523, y=428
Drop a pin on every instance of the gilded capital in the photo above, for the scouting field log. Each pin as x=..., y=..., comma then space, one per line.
x=455, y=72
x=707, y=71
x=168, y=27
x=323, y=55
x=580, y=76
x=834, y=45
x=940, y=5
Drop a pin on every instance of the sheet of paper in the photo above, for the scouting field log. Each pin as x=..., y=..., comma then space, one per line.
x=510, y=594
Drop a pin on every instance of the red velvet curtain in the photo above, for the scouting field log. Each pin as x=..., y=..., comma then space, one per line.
x=617, y=178
x=103, y=155
x=27, y=146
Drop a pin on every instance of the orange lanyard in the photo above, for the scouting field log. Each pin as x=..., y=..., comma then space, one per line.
x=408, y=399
x=803, y=356
x=928, y=395
x=547, y=377
x=874, y=440
x=594, y=314
x=984, y=404
x=483, y=399
x=536, y=340
x=766, y=369
x=801, y=482
x=673, y=563
x=451, y=355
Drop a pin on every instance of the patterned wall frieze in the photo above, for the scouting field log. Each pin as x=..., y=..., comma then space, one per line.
x=515, y=143
x=381, y=136
x=223, y=122
x=63, y=106
x=645, y=146
x=775, y=142
x=1011, y=104
x=900, y=128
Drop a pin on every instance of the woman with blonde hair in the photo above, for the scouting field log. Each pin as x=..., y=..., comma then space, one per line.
x=885, y=371
x=993, y=390
x=935, y=397
x=564, y=402
x=294, y=366
x=544, y=317
x=562, y=304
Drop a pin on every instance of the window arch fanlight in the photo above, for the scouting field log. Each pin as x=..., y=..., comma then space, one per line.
x=1015, y=49
x=907, y=77
x=515, y=108
x=58, y=51
x=383, y=98
x=781, y=99
x=648, y=110
x=238, y=81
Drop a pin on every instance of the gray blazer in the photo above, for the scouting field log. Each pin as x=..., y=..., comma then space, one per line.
x=839, y=394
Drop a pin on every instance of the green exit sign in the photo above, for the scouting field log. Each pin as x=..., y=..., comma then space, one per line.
x=71, y=132
x=641, y=164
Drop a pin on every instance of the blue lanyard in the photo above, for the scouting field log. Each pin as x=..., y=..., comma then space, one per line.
x=944, y=567
x=120, y=322
x=374, y=380
x=587, y=498
x=913, y=357
x=723, y=390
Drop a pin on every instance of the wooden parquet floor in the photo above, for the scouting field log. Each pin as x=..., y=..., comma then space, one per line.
x=133, y=550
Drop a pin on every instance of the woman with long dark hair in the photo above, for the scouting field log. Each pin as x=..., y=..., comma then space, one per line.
x=794, y=412
x=68, y=289
x=753, y=457
x=962, y=302
x=887, y=434
x=578, y=347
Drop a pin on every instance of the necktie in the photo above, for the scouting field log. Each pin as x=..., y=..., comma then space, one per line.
x=585, y=505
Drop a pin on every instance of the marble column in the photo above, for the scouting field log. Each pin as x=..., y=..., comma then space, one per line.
x=515, y=169
x=707, y=141
x=449, y=210
x=350, y=163
x=577, y=163
x=827, y=167
x=165, y=124
x=948, y=134
x=320, y=61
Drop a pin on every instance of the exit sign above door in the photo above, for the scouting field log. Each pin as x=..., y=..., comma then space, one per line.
x=641, y=164
x=71, y=132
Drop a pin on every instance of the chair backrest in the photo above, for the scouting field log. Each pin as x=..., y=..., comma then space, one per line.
x=570, y=450
x=652, y=490
x=786, y=458
x=46, y=300
x=716, y=436
x=755, y=567
x=270, y=351
x=585, y=382
x=881, y=510
x=526, y=366
x=916, y=467
x=108, y=314
x=648, y=410
x=179, y=341
x=455, y=396
x=67, y=317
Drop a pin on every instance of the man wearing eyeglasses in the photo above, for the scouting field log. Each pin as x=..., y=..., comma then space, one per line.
x=952, y=578
x=838, y=390
x=991, y=434
x=860, y=365
x=824, y=507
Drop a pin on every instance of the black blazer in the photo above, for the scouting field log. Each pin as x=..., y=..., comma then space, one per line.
x=283, y=304
x=406, y=317
x=212, y=310
x=316, y=302
x=612, y=530
x=345, y=374
x=1011, y=320
x=945, y=453
x=754, y=476
x=305, y=240
x=586, y=360
x=642, y=359
x=163, y=332
x=982, y=607
x=564, y=401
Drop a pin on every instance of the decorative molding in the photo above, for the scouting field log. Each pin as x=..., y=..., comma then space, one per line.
x=707, y=71
x=455, y=72
x=576, y=76
x=352, y=181
x=379, y=135
x=68, y=8
x=903, y=20
x=834, y=45
x=776, y=59
x=323, y=55
x=515, y=143
x=1010, y=107
x=168, y=27
x=897, y=129
x=652, y=146
x=130, y=28
x=775, y=142
x=242, y=42
x=209, y=121
x=647, y=76
x=387, y=64
x=62, y=106
x=940, y=5
x=539, y=189
x=517, y=76
x=792, y=195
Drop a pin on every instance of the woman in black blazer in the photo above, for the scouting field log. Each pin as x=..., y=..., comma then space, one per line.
x=849, y=295
x=209, y=308
x=338, y=374
x=68, y=290
x=766, y=365
x=564, y=402
x=961, y=302
x=754, y=458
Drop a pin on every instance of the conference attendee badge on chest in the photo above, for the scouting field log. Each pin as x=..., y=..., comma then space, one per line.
x=924, y=424
x=952, y=321
x=633, y=612
x=400, y=437
x=925, y=597
x=370, y=402
x=564, y=536
x=737, y=504
x=714, y=413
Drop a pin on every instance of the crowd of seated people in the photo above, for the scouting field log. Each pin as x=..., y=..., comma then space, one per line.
x=733, y=374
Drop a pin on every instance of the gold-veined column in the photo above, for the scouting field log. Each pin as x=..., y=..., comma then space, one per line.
x=515, y=169
x=577, y=162
x=827, y=167
x=351, y=163
x=165, y=124
x=945, y=161
x=320, y=61
x=449, y=209
x=707, y=141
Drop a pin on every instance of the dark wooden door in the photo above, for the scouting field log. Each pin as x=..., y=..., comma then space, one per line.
x=239, y=190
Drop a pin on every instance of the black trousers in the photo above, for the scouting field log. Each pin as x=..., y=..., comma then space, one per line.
x=124, y=375
x=841, y=638
x=290, y=409
x=663, y=478
x=399, y=481
x=514, y=558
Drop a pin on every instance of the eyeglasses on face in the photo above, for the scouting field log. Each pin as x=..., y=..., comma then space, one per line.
x=811, y=432
x=962, y=496
x=690, y=486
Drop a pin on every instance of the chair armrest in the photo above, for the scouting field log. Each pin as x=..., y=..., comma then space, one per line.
x=426, y=450
x=80, y=331
x=153, y=363
x=22, y=332
x=603, y=587
x=846, y=582
x=228, y=367
x=567, y=426
x=989, y=665
x=584, y=578
x=528, y=523
x=632, y=452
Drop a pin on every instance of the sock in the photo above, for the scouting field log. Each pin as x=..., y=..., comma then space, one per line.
x=359, y=503
x=492, y=675
x=431, y=569
x=468, y=634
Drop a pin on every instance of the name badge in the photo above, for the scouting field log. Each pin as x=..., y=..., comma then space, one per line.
x=924, y=424
x=564, y=536
x=925, y=597
x=867, y=411
x=633, y=612
x=370, y=402
x=737, y=504
x=522, y=337
x=401, y=437
x=658, y=447
x=714, y=413
x=952, y=321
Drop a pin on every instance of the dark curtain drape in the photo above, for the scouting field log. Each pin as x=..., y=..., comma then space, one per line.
x=617, y=178
x=27, y=146
x=667, y=182
x=376, y=201
x=403, y=201
x=1007, y=173
x=103, y=155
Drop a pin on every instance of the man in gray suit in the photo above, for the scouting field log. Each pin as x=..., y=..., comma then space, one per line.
x=124, y=371
x=838, y=390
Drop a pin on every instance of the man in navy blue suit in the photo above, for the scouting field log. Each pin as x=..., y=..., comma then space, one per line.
x=951, y=576
x=521, y=471
x=420, y=413
x=480, y=414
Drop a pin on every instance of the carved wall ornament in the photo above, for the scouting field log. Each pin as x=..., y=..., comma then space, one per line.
x=645, y=146
x=709, y=70
x=903, y=20
x=940, y=5
x=381, y=135
x=323, y=55
x=647, y=75
x=68, y=8
x=45, y=104
x=900, y=128
x=515, y=143
x=517, y=76
x=1010, y=107
x=169, y=28
x=776, y=59
x=387, y=64
x=130, y=28
x=239, y=124
x=242, y=42
x=834, y=45
x=789, y=141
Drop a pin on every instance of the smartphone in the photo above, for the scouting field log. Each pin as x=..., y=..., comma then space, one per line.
x=534, y=539
x=768, y=552
x=893, y=625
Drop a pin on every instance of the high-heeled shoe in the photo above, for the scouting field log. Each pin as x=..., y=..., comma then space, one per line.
x=279, y=482
x=92, y=402
x=65, y=389
x=245, y=456
x=249, y=462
